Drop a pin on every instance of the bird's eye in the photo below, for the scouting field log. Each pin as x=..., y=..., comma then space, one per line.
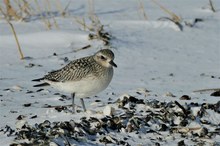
x=103, y=58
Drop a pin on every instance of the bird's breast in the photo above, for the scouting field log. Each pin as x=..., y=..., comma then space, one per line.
x=88, y=86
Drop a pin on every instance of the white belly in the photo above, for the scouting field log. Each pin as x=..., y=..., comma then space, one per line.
x=86, y=87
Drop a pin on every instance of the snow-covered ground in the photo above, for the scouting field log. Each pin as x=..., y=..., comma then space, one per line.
x=151, y=54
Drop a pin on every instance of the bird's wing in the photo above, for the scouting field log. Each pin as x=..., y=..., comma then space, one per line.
x=73, y=71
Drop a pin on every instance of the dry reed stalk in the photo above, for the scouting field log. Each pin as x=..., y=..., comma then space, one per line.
x=66, y=8
x=207, y=90
x=63, y=11
x=59, y=6
x=49, y=10
x=14, y=33
x=24, y=7
x=175, y=18
x=211, y=5
x=55, y=23
x=83, y=23
x=11, y=13
x=91, y=6
x=142, y=10
x=46, y=21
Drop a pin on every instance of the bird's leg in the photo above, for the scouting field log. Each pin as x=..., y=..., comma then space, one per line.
x=83, y=105
x=73, y=104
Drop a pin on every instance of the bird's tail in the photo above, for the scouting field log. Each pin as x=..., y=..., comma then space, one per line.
x=38, y=80
x=41, y=85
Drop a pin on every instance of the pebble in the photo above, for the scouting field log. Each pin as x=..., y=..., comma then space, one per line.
x=216, y=93
x=185, y=97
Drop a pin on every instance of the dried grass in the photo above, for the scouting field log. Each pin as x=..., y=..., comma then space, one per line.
x=174, y=17
x=212, y=6
x=14, y=33
x=10, y=11
x=142, y=9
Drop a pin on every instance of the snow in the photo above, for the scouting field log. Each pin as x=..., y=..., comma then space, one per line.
x=150, y=54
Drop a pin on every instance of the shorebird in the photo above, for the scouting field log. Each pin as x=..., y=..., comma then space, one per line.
x=82, y=77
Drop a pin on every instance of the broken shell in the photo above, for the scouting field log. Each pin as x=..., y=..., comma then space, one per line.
x=188, y=120
x=53, y=144
x=201, y=132
x=17, y=88
x=169, y=94
x=108, y=110
x=129, y=127
x=143, y=91
x=20, y=124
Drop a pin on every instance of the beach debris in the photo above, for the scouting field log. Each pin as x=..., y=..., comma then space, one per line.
x=128, y=114
x=185, y=97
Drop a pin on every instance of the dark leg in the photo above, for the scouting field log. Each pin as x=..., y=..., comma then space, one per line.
x=83, y=105
x=73, y=104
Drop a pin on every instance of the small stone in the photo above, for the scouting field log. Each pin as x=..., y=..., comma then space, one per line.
x=20, y=117
x=185, y=97
x=28, y=92
x=60, y=108
x=65, y=59
x=216, y=93
x=141, y=91
x=27, y=104
x=13, y=111
x=97, y=100
x=30, y=65
x=39, y=90
x=181, y=143
x=217, y=107
x=33, y=117
x=171, y=74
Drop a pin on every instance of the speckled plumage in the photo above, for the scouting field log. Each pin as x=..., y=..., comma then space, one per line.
x=76, y=70
x=83, y=77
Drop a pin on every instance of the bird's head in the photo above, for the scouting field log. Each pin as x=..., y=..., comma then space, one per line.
x=105, y=58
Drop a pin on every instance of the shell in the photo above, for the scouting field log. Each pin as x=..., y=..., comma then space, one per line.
x=108, y=110
x=134, y=116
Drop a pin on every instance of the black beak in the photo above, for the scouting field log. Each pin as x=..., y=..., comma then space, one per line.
x=112, y=63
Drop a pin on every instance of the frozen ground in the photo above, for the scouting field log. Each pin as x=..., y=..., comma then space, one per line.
x=150, y=54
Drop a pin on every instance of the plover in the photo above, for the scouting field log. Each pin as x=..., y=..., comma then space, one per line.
x=82, y=77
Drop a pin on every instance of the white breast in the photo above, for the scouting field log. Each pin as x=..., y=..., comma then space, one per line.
x=85, y=87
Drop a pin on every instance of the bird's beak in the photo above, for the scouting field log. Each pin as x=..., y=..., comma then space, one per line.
x=112, y=63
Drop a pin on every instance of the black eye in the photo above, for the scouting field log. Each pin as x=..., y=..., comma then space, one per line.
x=103, y=58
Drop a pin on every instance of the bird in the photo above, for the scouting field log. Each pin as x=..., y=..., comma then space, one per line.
x=83, y=77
